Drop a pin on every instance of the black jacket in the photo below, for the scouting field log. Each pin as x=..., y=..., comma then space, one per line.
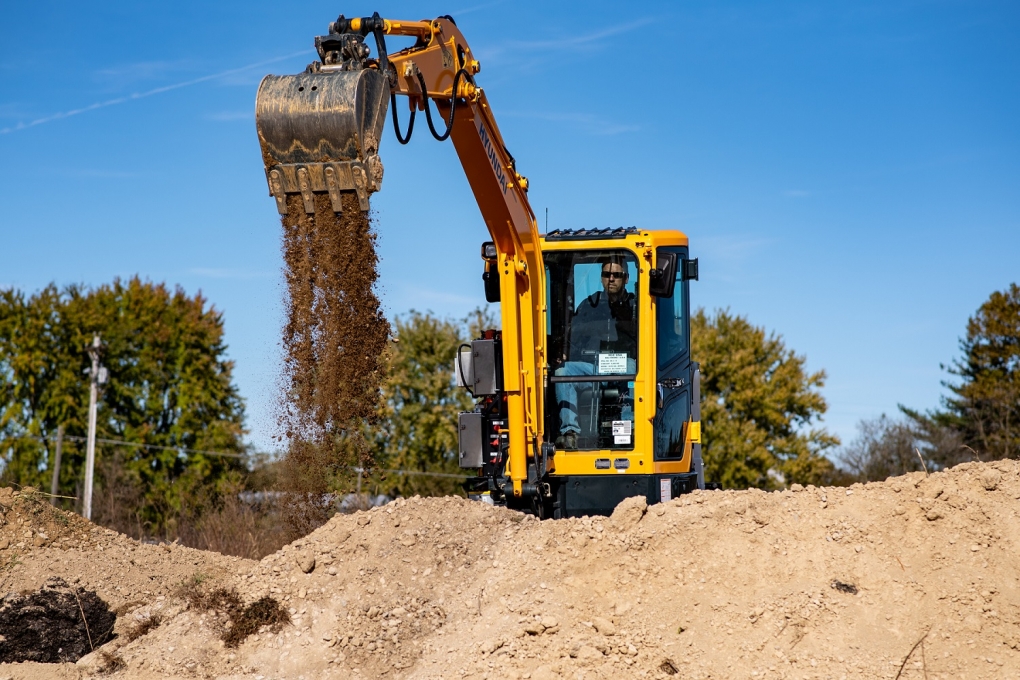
x=601, y=325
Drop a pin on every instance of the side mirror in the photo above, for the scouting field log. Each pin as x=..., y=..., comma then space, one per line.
x=490, y=278
x=663, y=277
x=691, y=270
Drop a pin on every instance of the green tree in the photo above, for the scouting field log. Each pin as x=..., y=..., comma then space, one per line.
x=418, y=424
x=984, y=409
x=758, y=407
x=169, y=386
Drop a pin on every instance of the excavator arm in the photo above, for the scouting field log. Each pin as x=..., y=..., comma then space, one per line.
x=320, y=133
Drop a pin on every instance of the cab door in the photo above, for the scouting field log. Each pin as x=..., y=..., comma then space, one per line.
x=673, y=365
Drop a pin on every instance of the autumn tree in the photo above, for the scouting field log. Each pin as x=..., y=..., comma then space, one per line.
x=170, y=386
x=760, y=407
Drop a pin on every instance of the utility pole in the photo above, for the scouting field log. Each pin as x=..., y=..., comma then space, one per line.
x=55, y=484
x=97, y=377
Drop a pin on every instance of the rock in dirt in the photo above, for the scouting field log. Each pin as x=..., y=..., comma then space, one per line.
x=604, y=626
x=305, y=561
x=56, y=624
x=628, y=513
x=990, y=479
x=545, y=673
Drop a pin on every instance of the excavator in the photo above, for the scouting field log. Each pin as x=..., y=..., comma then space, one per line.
x=587, y=394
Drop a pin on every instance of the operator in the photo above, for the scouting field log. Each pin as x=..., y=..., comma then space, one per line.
x=605, y=321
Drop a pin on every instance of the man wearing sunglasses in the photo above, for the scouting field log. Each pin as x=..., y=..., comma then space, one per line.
x=605, y=321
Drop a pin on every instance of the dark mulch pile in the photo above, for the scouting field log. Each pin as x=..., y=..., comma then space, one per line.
x=56, y=624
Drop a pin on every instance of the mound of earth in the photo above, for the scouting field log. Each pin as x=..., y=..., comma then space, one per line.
x=915, y=577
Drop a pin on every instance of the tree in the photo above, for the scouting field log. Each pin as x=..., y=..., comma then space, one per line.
x=885, y=447
x=418, y=424
x=169, y=386
x=757, y=405
x=985, y=406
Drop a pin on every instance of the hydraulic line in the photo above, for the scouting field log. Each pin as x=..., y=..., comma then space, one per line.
x=396, y=124
x=453, y=104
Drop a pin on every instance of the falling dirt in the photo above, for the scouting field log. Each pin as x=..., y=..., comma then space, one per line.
x=333, y=340
x=913, y=578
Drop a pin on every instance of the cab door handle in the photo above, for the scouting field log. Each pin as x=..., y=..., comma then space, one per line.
x=666, y=384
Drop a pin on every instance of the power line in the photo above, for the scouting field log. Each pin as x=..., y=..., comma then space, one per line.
x=120, y=442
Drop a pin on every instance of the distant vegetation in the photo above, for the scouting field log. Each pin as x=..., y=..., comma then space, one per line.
x=759, y=407
x=169, y=386
x=979, y=420
x=417, y=431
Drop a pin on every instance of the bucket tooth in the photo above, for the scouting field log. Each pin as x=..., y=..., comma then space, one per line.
x=375, y=172
x=361, y=186
x=333, y=187
x=277, y=191
x=305, y=186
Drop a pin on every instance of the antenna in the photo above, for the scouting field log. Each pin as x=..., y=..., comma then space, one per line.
x=547, y=220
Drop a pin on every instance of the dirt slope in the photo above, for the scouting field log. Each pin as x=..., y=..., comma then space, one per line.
x=812, y=583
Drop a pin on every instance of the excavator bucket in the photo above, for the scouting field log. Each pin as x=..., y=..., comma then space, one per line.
x=320, y=133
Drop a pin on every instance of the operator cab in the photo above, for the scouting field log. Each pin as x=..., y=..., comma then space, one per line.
x=592, y=318
x=620, y=412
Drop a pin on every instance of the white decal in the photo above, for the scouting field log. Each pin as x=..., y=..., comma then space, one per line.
x=612, y=363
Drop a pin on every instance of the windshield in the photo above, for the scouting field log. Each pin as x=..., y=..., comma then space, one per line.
x=593, y=322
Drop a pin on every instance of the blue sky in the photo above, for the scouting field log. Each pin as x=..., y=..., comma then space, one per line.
x=848, y=174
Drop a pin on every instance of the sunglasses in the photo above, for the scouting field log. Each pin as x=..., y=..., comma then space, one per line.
x=613, y=275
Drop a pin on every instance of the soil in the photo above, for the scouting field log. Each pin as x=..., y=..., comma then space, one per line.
x=334, y=338
x=915, y=577
x=56, y=623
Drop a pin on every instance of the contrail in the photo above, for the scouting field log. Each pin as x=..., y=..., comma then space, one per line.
x=142, y=95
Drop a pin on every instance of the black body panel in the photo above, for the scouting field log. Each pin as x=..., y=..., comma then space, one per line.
x=591, y=495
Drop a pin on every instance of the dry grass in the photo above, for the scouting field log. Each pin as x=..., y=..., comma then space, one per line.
x=143, y=627
x=213, y=519
x=250, y=530
x=265, y=611
x=110, y=662
x=241, y=621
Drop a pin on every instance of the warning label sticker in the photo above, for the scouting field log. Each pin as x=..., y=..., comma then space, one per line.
x=665, y=490
x=612, y=362
x=623, y=427
x=621, y=439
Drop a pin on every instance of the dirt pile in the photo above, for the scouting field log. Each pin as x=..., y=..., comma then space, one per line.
x=915, y=577
x=333, y=339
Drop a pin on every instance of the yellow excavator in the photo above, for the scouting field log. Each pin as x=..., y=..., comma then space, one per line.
x=587, y=394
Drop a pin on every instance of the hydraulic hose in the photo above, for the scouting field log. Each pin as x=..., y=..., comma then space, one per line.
x=453, y=104
x=396, y=124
